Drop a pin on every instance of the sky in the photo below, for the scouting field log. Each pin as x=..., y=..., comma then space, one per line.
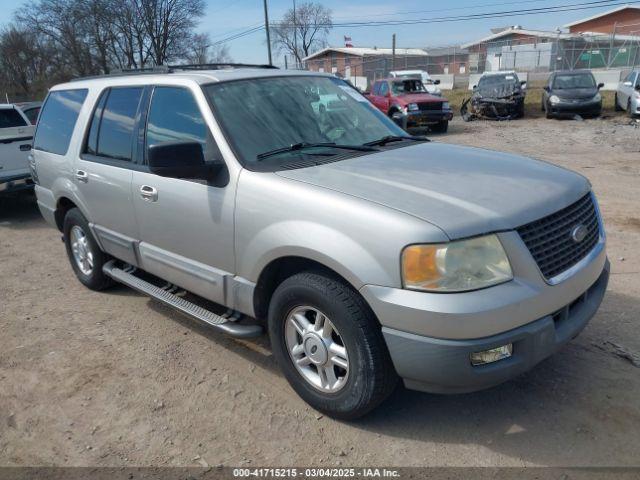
x=226, y=17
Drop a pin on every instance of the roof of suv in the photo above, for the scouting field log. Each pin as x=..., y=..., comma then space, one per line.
x=200, y=77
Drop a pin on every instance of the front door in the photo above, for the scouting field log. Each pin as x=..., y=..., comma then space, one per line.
x=104, y=169
x=186, y=226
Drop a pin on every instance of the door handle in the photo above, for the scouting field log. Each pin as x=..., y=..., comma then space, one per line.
x=82, y=176
x=150, y=194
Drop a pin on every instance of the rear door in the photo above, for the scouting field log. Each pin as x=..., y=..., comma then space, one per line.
x=104, y=169
x=16, y=135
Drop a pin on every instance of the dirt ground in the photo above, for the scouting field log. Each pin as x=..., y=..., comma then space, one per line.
x=114, y=379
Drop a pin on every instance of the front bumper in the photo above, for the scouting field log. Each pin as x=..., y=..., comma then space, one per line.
x=431, y=335
x=580, y=107
x=15, y=183
x=424, y=118
x=444, y=366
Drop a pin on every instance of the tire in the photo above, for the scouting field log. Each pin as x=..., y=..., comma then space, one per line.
x=440, y=127
x=89, y=272
x=618, y=108
x=547, y=113
x=629, y=111
x=370, y=376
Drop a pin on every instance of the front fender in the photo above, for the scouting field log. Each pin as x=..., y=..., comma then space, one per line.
x=316, y=242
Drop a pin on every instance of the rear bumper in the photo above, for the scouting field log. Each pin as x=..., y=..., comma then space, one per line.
x=13, y=183
x=444, y=366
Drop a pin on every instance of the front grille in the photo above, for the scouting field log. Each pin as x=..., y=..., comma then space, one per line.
x=550, y=239
x=430, y=106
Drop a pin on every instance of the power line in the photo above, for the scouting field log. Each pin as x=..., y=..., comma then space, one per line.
x=409, y=12
x=478, y=16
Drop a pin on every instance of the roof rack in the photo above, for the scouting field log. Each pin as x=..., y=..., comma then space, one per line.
x=219, y=66
x=174, y=68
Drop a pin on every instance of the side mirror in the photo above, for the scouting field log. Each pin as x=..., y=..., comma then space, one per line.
x=600, y=85
x=546, y=88
x=474, y=87
x=523, y=83
x=436, y=82
x=180, y=160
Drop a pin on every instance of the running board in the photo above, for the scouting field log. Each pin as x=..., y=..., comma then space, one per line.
x=186, y=307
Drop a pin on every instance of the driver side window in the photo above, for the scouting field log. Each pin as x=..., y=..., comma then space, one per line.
x=174, y=116
x=384, y=89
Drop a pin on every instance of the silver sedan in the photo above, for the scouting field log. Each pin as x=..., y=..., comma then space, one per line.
x=628, y=94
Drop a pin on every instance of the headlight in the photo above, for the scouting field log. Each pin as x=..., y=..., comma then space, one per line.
x=597, y=98
x=554, y=99
x=445, y=106
x=456, y=266
x=412, y=107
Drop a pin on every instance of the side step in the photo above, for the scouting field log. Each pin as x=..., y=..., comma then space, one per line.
x=190, y=309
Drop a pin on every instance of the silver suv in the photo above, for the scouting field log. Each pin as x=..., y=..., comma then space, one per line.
x=368, y=255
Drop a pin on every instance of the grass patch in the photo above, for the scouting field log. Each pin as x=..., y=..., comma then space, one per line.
x=532, y=102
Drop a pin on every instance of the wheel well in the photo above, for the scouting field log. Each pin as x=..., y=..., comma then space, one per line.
x=277, y=272
x=63, y=206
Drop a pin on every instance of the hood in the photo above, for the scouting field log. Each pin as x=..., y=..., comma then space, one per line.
x=501, y=90
x=575, y=93
x=419, y=98
x=464, y=191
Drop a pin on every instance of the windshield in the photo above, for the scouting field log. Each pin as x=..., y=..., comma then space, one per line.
x=265, y=114
x=408, y=86
x=495, y=80
x=574, y=81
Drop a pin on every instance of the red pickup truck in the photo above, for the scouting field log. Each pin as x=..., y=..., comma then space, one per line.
x=408, y=103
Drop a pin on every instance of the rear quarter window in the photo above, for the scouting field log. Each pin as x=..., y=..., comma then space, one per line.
x=10, y=118
x=58, y=120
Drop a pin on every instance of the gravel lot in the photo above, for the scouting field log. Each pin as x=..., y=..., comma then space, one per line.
x=115, y=379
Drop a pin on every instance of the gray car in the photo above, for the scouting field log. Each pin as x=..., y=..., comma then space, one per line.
x=367, y=254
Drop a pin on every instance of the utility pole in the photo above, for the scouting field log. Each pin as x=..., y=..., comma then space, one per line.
x=295, y=34
x=393, y=52
x=266, y=27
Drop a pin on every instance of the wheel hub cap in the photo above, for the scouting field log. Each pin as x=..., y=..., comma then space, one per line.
x=81, y=250
x=316, y=349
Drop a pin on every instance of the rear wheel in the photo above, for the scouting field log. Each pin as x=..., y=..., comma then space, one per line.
x=84, y=254
x=329, y=345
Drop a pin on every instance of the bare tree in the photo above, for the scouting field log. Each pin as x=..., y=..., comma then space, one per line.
x=201, y=51
x=168, y=26
x=304, y=33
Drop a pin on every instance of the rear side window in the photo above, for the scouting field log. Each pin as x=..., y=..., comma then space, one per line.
x=113, y=123
x=58, y=120
x=10, y=118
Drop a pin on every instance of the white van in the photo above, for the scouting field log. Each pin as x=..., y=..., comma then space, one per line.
x=430, y=84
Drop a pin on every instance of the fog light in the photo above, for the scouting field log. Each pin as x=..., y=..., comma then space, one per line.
x=493, y=355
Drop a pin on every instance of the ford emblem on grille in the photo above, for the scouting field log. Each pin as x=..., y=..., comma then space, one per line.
x=579, y=233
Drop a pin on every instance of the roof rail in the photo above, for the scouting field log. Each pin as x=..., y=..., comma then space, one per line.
x=173, y=68
x=219, y=66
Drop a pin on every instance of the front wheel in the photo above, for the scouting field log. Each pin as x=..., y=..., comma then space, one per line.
x=329, y=345
x=83, y=251
x=440, y=127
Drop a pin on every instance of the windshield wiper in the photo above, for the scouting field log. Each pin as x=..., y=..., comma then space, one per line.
x=395, y=138
x=304, y=145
